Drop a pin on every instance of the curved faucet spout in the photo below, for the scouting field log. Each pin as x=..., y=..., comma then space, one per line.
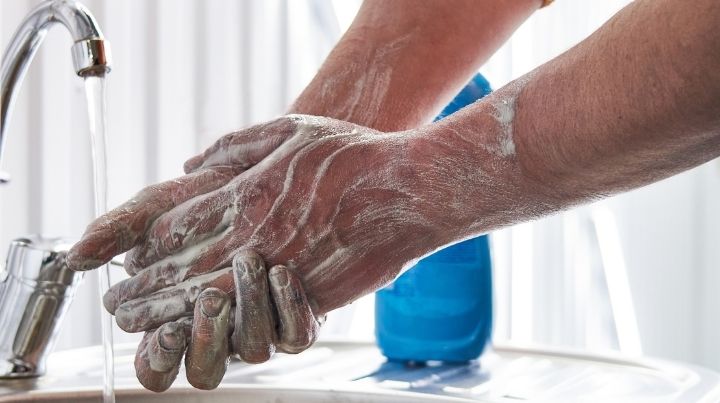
x=91, y=53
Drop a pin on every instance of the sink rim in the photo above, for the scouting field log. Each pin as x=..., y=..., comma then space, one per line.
x=342, y=389
x=60, y=385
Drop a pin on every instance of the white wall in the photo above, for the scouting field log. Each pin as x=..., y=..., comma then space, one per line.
x=187, y=71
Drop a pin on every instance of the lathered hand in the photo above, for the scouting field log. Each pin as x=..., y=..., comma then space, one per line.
x=344, y=206
x=271, y=313
x=122, y=228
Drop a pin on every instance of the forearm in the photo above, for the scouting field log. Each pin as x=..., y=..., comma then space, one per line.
x=636, y=102
x=401, y=61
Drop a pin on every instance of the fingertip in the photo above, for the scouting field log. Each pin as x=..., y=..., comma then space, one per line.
x=128, y=320
x=97, y=245
x=78, y=261
x=207, y=356
x=297, y=326
x=166, y=348
x=193, y=164
x=257, y=355
x=110, y=301
x=151, y=380
x=73, y=259
x=202, y=383
x=279, y=276
x=151, y=386
x=254, y=334
x=247, y=258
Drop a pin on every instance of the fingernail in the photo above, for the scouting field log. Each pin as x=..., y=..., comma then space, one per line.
x=280, y=276
x=171, y=337
x=211, y=305
x=248, y=262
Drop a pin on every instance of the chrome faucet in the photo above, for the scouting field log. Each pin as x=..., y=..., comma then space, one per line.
x=36, y=285
x=91, y=52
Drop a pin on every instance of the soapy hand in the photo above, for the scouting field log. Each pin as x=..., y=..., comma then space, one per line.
x=343, y=207
x=122, y=228
x=340, y=204
x=271, y=313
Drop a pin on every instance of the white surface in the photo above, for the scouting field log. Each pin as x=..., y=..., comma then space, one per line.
x=356, y=372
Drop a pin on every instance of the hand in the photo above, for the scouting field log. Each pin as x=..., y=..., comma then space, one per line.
x=271, y=314
x=344, y=206
x=121, y=229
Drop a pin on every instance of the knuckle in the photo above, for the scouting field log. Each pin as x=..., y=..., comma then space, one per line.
x=149, y=192
x=174, y=241
x=225, y=141
x=288, y=122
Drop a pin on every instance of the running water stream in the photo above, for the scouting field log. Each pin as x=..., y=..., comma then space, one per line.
x=95, y=92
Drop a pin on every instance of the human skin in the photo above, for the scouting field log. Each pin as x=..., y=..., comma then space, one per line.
x=400, y=62
x=648, y=118
x=370, y=78
x=375, y=77
x=215, y=331
x=634, y=103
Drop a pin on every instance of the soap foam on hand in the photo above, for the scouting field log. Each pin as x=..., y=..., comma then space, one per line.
x=345, y=210
x=271, y=299
x=345, y=230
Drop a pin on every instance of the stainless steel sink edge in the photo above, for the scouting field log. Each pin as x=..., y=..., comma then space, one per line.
x=351, y=372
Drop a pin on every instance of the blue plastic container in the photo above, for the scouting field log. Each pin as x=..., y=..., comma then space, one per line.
x=440, y=309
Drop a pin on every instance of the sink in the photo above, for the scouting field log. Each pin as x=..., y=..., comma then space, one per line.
x=234, y=394
x=350, y=372
x=328, y=372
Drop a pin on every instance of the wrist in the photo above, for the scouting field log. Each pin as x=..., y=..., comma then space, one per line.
x=474, y=171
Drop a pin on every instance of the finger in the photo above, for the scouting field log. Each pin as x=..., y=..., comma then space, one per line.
x=158, y=358
x=297, y=326
x=170, y=304
x=245, y=148
x=207, y=357
x=121, y=228
x=170, y=272
x=254, y=323
x=182, y=227
x=167, y=347
x=142, y=284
